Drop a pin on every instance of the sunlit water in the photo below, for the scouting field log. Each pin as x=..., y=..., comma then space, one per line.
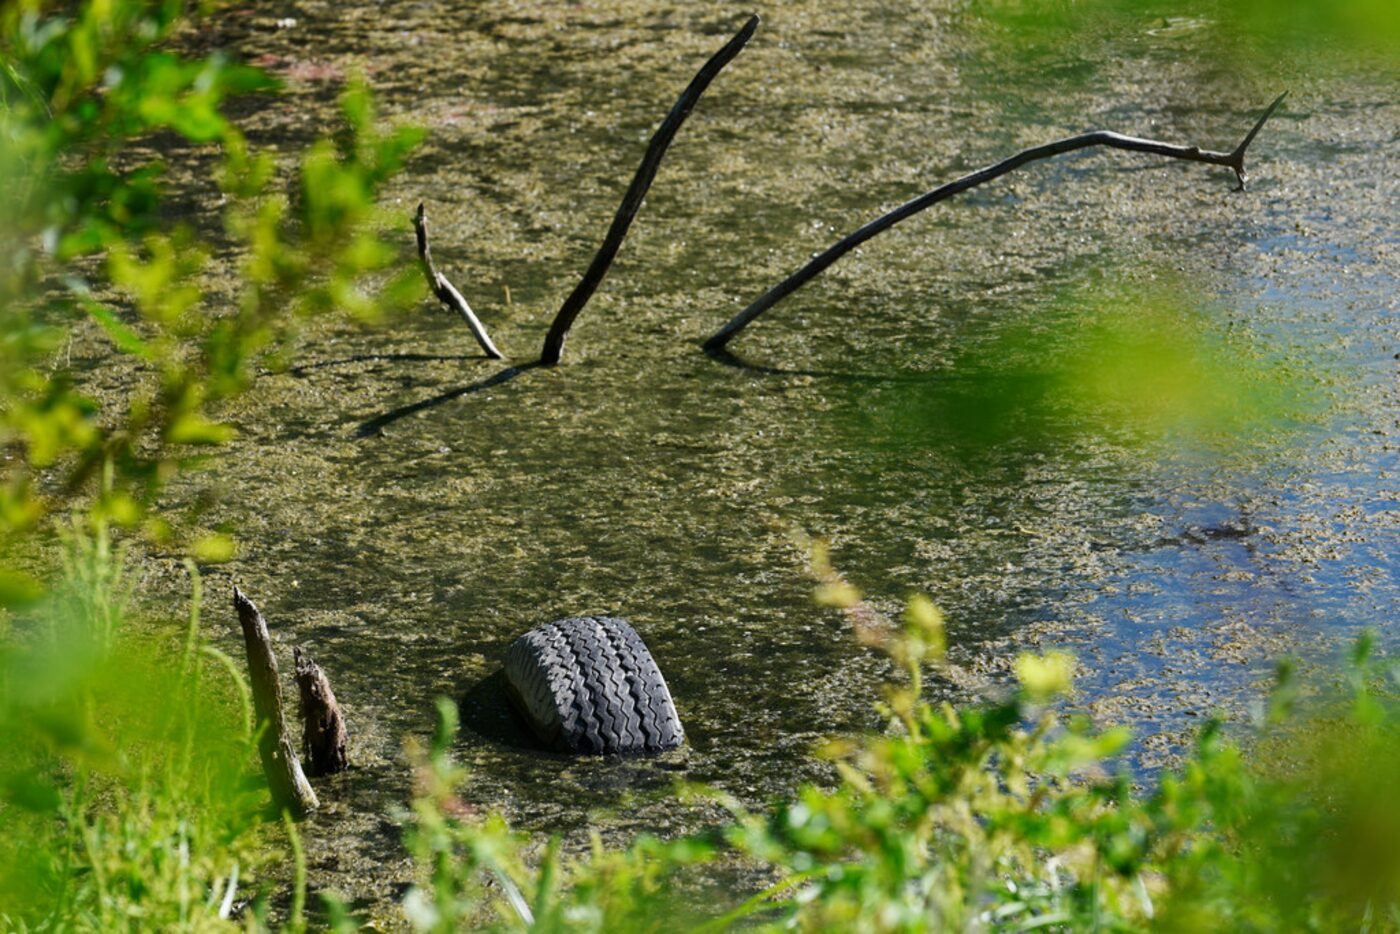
x=405, y=509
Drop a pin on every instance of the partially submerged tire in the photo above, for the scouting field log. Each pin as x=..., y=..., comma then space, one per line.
x=588, y=684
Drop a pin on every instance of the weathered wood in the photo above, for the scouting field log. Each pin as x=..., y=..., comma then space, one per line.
x=325, y=741
x=290, y=789
x=1233, y=160
x=445, y=291
x=632, y=200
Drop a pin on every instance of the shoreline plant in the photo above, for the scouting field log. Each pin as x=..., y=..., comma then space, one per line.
x=1004, y=814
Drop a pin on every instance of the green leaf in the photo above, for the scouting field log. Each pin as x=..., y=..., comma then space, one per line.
x=214, y=549
x=28, y=792
x=357, y=104
x=1045, y=676
x=196, y=429
x=837, y=594
x=245, y=79
x=18, y=590
x=124, y=337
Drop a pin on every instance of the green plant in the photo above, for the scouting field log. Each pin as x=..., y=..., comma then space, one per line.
x=122, y=800
x=480, y=873
x=83, y=94
x=1000, y=815
x=125, y=800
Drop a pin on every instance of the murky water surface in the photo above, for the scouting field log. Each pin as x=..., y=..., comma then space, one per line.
x=406, y=509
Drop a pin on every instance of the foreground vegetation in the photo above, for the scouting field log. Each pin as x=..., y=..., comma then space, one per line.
x=125, y=804
x=127, y=792
x=1000, y=815
x=121, y=810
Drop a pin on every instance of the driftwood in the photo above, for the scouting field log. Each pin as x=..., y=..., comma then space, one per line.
x=324, y=739
x=1233, y=160
x=626, y=212
x=632, y=200
x=290, y=789
x=445, y=291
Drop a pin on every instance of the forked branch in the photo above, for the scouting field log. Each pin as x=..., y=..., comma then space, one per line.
x=445, y=291
x=1233, y=160
x=632, y=200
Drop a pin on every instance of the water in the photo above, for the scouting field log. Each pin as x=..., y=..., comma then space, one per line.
x=406, y=508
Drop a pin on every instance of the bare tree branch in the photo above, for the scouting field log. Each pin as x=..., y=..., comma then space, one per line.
x=445, y=291
x=1233, y=160
x=632, y=200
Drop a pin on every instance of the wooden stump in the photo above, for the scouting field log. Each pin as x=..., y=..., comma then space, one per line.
x=324, y=739
x=288, y=783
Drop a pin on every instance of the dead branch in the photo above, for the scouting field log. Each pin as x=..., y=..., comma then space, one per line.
x=632, y=200
x=1233, y=160
x=288, y=783
x=325, y=741
x=446, y=291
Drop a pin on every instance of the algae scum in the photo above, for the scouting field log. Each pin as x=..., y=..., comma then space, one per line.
x=1206, y=481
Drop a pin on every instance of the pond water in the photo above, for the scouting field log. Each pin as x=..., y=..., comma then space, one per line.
x=406, y=508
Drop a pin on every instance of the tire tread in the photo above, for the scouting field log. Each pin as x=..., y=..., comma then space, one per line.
x=588, y=684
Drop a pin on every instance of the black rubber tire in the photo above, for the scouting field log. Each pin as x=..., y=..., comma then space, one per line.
x=588, y=684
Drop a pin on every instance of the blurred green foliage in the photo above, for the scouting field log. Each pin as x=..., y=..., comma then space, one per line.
x=124, y=803
x=1140, y=366
x=1250, y=34
x=91, y=106
x=1003, y=815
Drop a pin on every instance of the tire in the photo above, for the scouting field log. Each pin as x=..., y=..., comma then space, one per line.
x=588, y=684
